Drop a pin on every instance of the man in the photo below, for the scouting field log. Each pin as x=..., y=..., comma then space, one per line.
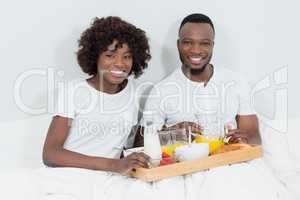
x=198, y=90
x=205, y=98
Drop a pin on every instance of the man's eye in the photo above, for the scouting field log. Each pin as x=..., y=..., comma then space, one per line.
x=186, y=42
x=206, y=44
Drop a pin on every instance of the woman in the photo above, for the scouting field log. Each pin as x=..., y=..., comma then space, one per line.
x=91, y=127
x=94, y=117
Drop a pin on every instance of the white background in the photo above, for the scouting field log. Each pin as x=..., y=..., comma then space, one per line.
x=255, y=37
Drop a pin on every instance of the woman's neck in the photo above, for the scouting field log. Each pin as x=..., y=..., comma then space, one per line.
x=102, y=85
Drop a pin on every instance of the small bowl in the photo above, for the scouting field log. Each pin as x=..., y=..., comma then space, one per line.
x=192, y=152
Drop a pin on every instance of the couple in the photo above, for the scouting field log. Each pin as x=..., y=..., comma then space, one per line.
x=94, y=119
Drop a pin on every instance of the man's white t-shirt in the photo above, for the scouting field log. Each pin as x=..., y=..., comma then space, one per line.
x=101, y=122
x=176, y=99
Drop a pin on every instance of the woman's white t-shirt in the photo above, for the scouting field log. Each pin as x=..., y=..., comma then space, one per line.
x=101, y=122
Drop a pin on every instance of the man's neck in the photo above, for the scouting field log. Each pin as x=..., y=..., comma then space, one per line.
x=201, y=77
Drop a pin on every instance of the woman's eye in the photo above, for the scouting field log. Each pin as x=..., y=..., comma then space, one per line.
x=128, y=57
x=109, y=55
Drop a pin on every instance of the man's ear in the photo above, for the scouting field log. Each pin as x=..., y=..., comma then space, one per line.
x=178, y=43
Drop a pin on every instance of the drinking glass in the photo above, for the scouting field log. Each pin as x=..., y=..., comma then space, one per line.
x=213, y=130
x=171, y=139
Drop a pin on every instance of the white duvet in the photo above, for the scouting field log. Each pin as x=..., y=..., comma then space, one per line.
x=247, y=181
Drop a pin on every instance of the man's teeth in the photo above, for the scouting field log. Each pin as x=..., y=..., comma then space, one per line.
x=198, y=59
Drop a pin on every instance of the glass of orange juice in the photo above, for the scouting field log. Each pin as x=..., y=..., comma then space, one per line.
x=171, y=139
x=214, y=141
x=213, y=131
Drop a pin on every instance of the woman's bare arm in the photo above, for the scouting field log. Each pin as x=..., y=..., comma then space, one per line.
x=55, y=155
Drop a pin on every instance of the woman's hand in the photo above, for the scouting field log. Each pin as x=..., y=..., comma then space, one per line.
x=131, y=162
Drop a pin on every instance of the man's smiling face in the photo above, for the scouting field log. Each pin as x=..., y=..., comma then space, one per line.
x=195, y=45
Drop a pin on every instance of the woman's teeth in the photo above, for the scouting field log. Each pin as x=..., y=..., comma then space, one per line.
x=118, y=73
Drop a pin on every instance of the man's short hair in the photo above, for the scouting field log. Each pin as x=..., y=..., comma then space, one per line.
x=197, y=18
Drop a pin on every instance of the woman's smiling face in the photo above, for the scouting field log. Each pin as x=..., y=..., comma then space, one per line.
x=114, y=64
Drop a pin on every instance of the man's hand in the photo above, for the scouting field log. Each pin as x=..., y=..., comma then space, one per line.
x=237, y=136
x=186, y=125
x=247, y=130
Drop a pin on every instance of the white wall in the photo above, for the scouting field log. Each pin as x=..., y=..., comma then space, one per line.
x=255, y=37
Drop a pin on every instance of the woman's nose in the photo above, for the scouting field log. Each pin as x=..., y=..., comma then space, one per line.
x=119, y=61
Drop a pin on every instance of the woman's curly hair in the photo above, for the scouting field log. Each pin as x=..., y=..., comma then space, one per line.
x=102, y=33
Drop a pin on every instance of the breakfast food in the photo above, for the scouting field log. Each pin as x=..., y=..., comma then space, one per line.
x=169, y=150
x=168, y=153
x=192, y=151
x=167, y=160
x=214, y=142
x=231, y=147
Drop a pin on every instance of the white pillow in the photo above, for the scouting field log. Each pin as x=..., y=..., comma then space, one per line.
x=293, y=182
x=294, y=139
x=276, y=150
x=22, y=142
x=18, y=184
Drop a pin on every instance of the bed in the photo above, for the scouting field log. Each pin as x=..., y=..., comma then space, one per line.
x=22, y=141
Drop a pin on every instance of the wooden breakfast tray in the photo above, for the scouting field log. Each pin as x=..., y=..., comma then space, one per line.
x=228, y=154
